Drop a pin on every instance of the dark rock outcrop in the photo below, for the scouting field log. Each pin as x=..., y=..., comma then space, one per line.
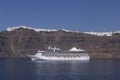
x=21, y=42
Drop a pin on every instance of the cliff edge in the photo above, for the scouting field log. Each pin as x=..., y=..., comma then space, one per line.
x=21, y=41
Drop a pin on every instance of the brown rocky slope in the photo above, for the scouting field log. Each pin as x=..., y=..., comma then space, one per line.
x=21, y=42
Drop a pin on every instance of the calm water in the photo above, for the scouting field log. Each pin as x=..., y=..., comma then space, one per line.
x=24, y=69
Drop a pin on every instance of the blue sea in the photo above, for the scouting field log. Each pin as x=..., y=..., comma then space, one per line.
x=25, y=69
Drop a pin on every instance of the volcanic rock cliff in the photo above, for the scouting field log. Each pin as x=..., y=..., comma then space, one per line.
x=23, y=41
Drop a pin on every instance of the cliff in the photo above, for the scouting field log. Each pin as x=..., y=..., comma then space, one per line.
x=20, y=42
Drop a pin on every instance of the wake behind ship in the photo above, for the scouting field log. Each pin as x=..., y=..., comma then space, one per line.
x=56, y=54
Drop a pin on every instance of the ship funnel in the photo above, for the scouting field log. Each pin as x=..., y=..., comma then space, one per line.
x=75, y=49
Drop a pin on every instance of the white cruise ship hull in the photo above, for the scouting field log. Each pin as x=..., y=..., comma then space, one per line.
x=33, y=57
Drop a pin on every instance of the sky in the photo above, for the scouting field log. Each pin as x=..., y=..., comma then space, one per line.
x=77, y=15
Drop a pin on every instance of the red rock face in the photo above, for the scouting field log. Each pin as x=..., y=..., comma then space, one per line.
x=21, y=42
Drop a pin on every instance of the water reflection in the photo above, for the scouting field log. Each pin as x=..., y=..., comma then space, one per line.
x=57, y=70
x=95, y=69
x=61, y=68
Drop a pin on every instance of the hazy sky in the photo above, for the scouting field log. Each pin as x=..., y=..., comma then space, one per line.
x=79, y=15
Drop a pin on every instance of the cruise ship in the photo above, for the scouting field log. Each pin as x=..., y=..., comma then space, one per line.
x=57, y=54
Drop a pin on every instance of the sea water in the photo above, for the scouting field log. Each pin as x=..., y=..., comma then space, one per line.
x=25, y=69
